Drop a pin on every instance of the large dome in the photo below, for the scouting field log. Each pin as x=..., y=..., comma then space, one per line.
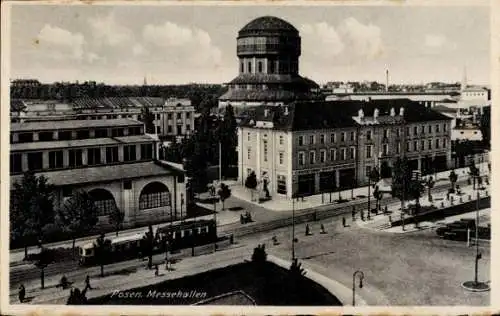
x=266, y=25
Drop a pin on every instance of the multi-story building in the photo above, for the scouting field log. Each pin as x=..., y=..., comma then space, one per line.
x=268, y=50
x=163, y=110
x=313, y=147
x=113, y=160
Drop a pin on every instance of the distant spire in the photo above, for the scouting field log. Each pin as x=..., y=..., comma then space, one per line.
x=145, y=81
x=464, y=79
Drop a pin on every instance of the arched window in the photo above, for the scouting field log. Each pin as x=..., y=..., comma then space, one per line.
x=154, y=195
x=103, y=200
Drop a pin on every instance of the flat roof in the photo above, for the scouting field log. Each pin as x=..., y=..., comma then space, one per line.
x=102, y=173
x=134, y=139
x=71, y=124
x=64, y=144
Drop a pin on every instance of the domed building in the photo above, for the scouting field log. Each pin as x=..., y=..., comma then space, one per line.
x=268, y=49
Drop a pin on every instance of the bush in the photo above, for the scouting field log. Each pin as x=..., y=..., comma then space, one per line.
x=259, y=254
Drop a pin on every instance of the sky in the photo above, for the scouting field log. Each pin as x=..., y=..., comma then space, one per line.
x=183, y=44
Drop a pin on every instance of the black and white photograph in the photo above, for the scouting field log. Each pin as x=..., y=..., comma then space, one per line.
x=326, y=155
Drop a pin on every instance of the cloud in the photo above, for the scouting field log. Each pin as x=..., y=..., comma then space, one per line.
x=364, y=40
x=61, y=43
x=107, y=30
x=92, y=57
x=178, y=42
x=138, y=50
x=434, y=40
x=322, y=38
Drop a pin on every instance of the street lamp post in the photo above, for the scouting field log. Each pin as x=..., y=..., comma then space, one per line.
x=182, y=203
x=215, y=223
x=293, y=227
x=361, y=276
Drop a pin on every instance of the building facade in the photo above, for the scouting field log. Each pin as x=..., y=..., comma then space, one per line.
x=268, y=50
x=308, y=148
x=113, y=160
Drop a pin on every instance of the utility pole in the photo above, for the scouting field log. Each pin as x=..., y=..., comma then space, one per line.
x=220, y=163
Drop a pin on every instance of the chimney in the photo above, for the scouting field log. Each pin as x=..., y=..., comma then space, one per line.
x=361, y=114
x=401, y=111
x=393, y=112
x=387, y=80
x=375, y=114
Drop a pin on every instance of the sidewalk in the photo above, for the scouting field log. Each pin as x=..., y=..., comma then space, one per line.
x=280, y=203
x=381, y=221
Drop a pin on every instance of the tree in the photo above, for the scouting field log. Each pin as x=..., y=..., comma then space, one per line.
x=228, y=138
x=102, y=248
x=296, y=270
x=259, y=255
x=116, y=218
x=224, y=193
x=453, y=179
x=401, y=180
x=44, y=258
x=148, y=119
x=377, y=194
x=373, y=177
x=251, y=183
x=78, y=214
x=31, y=208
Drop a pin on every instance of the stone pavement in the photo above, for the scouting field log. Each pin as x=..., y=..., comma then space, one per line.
x=280, y=203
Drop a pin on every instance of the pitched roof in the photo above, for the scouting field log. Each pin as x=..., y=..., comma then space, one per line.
x=117, y=102
x=274, y=78
x=101, y=173
x=336, y=114
x=266, y=24
x=71, y=124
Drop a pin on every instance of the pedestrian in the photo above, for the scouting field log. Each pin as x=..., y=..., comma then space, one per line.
x=156, y=270
x=323, y=229
x=166, y=264
x=308, y=232
x=353, y=214
x=275, y=240
x=362, y=216
x=22, y=293
x=385, y=209
x=87, y=282
x=343, y=221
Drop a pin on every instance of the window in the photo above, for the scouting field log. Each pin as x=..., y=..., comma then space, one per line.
x=415, y=146
x=342, y=137
x=302, y=159
x=386, y=133
x=281, y=185
x=353, y=136
x=437, y=128
x=369, y=151
x=45, y=136
x=129, y=153
x=322, y=156
x=179, y=130
x=343, y=154
x=385, y=149
x=102, y=133
x=265, y=150
x=146, y=151
x=333, y=154
x=249, y=137
x=169, y=116
x=82, y=134
x=322, y=139
x=408, y=146
x=157, y=116
x=422, y=144
x=56, y=159
x=430, y=144
x=111, y=154
x=281, y=158
x=333, y=139
x=311, y=139
x=259, y=65
x=368, y=135
x=398, y=148
x=127, y=185
x=398, y=132
x=179, y=116
x=16, y=163
x=93, y=156
x=249, y=153
x=117, y=132
x=445, y=127
x=429, y=129
x=408, y=131
x=134, y=131
x=249, y=66
x=438, y=143
x=281, y=139
x=445, y=142
x=75, y=157
x=242, y=67
x=312, y=157
x=25, y=137
x=188, y=128
x=415, y=130
x=352, y=153
x=188, y=115
x=169, y=129
x=301, y=140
